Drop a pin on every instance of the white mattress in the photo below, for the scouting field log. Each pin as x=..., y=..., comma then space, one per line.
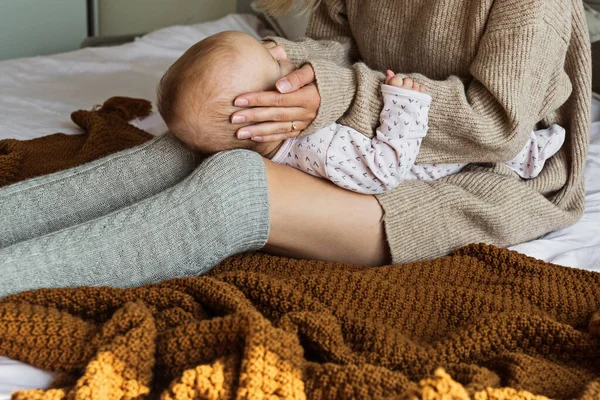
x=38, y=94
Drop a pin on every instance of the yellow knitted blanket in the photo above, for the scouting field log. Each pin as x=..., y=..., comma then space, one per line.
x=484, y=323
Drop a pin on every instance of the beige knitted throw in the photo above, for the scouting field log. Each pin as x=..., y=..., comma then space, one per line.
x=503, y=325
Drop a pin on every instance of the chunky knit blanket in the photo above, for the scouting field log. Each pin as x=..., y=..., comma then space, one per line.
x=484, y=323
x=106, y=131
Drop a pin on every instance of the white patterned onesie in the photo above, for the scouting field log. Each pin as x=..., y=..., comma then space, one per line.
x=355, y=162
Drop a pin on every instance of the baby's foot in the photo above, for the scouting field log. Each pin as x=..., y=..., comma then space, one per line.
x=405, y=83
x=542, y=144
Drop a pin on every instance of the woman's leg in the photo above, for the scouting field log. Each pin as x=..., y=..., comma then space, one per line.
x=52, y=202
x=220, y=209
x=312, y=218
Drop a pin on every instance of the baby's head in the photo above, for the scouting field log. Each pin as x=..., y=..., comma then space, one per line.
x=196, y=94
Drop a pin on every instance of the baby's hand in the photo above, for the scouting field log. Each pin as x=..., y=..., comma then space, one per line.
x=393, y=80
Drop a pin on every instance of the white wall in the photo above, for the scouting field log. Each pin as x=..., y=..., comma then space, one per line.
x=38, y=27
x=118, y=17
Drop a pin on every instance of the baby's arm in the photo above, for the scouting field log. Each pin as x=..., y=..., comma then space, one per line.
x=377, y=165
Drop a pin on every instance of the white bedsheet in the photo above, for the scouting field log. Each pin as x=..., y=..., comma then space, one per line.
x=38, y=94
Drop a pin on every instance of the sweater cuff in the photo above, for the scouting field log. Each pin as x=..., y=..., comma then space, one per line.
x=336, y=85
x=295, y=51
x=367, y=101
x=426, y=220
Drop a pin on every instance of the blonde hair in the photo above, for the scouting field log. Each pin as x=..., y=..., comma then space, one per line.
x=280, y=7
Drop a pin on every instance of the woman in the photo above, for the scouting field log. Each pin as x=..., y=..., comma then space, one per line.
x=494, y=68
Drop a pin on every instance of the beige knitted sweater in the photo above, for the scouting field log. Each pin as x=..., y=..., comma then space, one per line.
x=496, y=69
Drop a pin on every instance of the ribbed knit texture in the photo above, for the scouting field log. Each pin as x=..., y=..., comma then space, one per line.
x=503, y=325
x=49, y=203
x=495, y=69
x=106, y=131
x=220, y=209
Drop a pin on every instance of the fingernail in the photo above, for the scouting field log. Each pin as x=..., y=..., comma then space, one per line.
x=240, y=102
x=244, y=134
x=238, y=119
x=284, y=86
x=257, y=138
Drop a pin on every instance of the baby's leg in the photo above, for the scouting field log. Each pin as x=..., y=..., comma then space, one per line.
x=431, y=172
x=541, y=145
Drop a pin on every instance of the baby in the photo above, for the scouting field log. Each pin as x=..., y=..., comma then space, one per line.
x=195, y=98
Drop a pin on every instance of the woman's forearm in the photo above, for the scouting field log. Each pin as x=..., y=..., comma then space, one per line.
x=489, y=117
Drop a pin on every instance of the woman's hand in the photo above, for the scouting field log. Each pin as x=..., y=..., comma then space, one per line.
x=278, y=115
x=277, y=51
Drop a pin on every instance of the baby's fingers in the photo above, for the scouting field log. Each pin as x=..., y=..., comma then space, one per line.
x=389, y=74
x=396, y=81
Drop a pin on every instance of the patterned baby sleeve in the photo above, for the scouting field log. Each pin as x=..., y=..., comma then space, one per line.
x=377, y=165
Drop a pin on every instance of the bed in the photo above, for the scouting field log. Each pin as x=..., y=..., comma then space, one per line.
x=38, y=94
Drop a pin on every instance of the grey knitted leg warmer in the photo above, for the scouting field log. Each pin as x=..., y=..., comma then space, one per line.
x=52, y=202
x=220, y=209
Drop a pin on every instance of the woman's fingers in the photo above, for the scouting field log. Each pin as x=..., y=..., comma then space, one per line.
x=288, y=85
x=269, y=44
x=272, y=114
x=262, y=99
x=275, y=114
x=271, y=131
x=276, y=137
x=277, y=51
x=296, y=79
x=302, y=98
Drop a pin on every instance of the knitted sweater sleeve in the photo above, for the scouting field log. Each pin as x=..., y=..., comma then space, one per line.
x=349, y=90
x=516, y=79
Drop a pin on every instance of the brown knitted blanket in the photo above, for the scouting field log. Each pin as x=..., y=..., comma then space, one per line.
x=106, y=131
x=485, y=323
